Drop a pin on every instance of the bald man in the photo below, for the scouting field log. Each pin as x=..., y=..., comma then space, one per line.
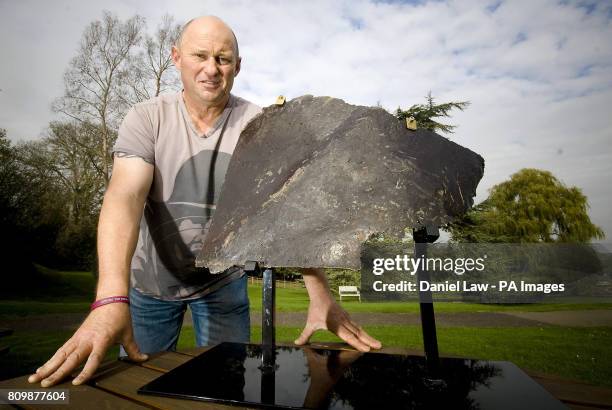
x=170, y=159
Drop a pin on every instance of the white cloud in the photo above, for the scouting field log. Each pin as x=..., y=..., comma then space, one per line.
x=538, y=73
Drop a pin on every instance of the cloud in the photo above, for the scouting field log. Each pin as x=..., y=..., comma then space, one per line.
x=538, y=73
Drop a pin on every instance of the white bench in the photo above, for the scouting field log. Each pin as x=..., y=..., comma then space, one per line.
x=349, y=291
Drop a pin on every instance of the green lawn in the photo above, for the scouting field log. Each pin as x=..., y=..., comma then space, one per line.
x=296, y=300
x=577, y=353
x=52, y=286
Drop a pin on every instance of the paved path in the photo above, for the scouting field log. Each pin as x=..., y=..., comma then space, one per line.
x=586, y=318
x=442, y=319
x=46, y=322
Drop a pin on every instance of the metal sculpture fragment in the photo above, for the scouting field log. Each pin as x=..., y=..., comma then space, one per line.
x=313, y=179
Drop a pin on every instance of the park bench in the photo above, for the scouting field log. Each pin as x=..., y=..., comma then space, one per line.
x=349, y=291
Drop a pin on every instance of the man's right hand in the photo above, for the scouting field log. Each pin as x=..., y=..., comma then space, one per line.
x=104, y=327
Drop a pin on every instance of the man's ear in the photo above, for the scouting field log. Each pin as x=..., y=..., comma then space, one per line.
x=176, y=57
x=238, y=66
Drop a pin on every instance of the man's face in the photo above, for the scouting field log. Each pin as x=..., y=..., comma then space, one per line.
x=207, y=61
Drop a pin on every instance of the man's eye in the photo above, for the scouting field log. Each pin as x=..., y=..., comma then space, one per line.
x=224, y=60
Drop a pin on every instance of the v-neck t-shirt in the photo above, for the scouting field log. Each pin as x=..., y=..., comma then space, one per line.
x=189, y=172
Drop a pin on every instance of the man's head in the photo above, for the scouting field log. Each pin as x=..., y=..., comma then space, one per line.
x=206, y=54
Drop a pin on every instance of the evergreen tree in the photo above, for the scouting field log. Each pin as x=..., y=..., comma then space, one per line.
x=425, y=114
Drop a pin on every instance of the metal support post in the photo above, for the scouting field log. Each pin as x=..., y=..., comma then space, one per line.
x=422, y=236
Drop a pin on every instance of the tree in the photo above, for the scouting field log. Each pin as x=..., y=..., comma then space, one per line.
x=95, y=81
x=69, y=154
x=116, y=66
x=425, y=114
x=25, y=196
x=152, y=70
x=9, y=184
x=68, y=157
x=533, y=206
x=30, y=215
x=51, y=189
x=12, y=199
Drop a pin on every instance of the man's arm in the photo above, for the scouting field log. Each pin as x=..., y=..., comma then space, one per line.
x=119, y=223
x=325, y=313
x=117, y=236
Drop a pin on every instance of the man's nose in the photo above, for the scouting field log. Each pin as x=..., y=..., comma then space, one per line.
x=210, y=67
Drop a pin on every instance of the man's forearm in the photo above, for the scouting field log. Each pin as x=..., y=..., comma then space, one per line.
x=317, y=285
x=117, y=237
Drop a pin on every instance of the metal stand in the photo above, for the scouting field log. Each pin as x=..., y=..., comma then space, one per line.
x=422, y=236
x=268, y=308
x=268, y=365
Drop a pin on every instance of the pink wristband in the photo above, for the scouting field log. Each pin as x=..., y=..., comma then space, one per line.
x=111, y=299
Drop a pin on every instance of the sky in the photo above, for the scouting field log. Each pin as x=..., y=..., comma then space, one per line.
x=538, y=73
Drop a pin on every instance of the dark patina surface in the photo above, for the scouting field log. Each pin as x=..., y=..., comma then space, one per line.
x=310, y=181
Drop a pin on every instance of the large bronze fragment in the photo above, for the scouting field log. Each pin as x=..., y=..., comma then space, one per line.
x=310, y=181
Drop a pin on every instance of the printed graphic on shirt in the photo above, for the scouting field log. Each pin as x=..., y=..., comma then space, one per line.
x=176, y=227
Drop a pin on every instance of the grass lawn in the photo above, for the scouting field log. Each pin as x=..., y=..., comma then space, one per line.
x=296, y=300
x=53, y=286
x=577, y=353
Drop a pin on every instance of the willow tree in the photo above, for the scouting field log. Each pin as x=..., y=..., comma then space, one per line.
x=532, y=206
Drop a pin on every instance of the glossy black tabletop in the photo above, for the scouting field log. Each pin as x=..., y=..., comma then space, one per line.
x=295, y=377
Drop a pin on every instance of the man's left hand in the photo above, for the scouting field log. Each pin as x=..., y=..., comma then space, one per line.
x=335, y=319
x=325, y=313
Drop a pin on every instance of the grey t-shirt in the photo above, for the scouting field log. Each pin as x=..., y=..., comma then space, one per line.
x=189, y=173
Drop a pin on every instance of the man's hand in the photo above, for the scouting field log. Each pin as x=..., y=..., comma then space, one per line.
x=105, y=326
x=325, y=313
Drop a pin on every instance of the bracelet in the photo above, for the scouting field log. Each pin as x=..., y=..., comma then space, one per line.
x=111, y=299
